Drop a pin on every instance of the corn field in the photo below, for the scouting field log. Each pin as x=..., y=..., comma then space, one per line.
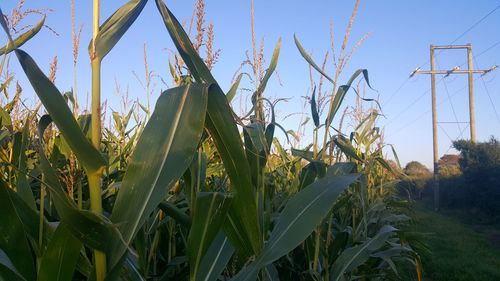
x=189, y=190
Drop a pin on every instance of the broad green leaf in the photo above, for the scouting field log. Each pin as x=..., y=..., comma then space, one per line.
x=23, y=38
x=309, y=59
x=209, y=214
x=355, y=256
x=59, y=260
x=222, y=128
x=215, y=259
x=163, y=153
x=13, y=239
x=115, y=27
x=296, y=222
x=94, y=230
x=55, y=104
x=234, y=88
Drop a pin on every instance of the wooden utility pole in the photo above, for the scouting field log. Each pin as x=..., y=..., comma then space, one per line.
x=434, y=131
x=472, y=118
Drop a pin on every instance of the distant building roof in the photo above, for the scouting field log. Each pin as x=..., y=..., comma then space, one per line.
x=449, y=160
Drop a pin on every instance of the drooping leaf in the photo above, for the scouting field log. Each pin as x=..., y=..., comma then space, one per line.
x=163, y=153
x=341, y=92
x=59, y=261
x=93, y=230
x=23, y=38
x=209, y=214
x=60, y=113
x=347, y=148
x=299, y=218
x=115, y=27
x=308, y=58
x=355, y=256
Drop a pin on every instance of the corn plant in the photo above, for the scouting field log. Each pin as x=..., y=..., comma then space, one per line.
x=185, y=195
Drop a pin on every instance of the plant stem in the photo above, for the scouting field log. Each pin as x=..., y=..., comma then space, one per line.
x=94, y=178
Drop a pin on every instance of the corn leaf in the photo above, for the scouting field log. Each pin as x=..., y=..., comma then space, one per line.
x=93, y=230
x=115, y=27
x=13, y=239
x=22, y=184
x=209, y=214
x=163, y=153
x=341, y=92
x=309, y=59
x=232, y=92
x=59, y=260
x=220, y=123
x=355, y=256
x=23, y=38
x=314, y=108
x=215, y=259
x=296, y=222
x=55, y=104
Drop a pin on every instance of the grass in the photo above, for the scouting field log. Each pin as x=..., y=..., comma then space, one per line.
x=457, y=251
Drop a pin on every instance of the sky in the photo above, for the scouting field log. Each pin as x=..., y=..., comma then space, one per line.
x=400, y=33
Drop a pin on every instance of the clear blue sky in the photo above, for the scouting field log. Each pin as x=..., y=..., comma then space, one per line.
x=401, y=32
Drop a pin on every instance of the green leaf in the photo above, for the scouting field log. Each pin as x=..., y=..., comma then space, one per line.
x=13, y=239
x=94, y=230
x=215, y=259
x=341, y=168
x=23, y=38
x=314, y=108
x=59, y=260
x=163, y=153
x=178, y=215
x=341, y=92
x=296, y=222
x=115, y=27
x=232, y=92
x=209, y=214
x=355, y=256
x=270, y=69
x=21, y=141
x=346, y=147
x=60, y=113
x=308, y=58
x=244, y=229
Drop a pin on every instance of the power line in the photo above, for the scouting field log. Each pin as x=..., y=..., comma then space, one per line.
x=428, y=90
x=489, y=96
x=455, y=40
x=475, y=24
x=451, y=102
